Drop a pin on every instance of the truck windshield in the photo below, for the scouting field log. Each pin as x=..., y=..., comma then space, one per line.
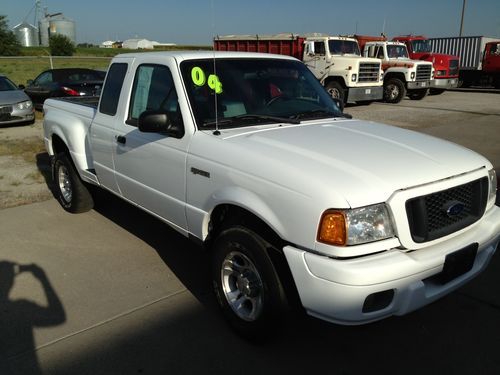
x=421, y=46
x=249, y=92
x=344, y=47
x=396, y=51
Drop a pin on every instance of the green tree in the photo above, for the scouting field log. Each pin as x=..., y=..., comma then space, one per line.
x=61, y=45
x=9, y=45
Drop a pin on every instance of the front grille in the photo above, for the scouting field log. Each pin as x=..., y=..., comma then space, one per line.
x=424, y=72
x=439, y=214
x=453, y=68
x=6, y=110
x=369, y=72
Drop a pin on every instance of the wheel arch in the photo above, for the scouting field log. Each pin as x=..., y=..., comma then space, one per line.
x=225, y=215
x=398, y=75
x=338, y=79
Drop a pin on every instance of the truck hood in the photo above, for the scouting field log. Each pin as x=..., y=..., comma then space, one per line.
x=362, y=162
x=438, y=58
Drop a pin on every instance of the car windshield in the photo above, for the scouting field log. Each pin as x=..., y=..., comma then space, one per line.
x=343, y=47
x=250, y=92
x=7, y=85
x=421, y=46
x=396, y=51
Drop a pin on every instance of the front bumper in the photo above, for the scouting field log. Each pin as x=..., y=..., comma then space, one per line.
x=444, y=83
x=14, y=115
x=418, y=85
x=358, y=94
x=336, y=290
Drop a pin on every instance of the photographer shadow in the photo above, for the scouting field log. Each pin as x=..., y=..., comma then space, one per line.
x=19, y=317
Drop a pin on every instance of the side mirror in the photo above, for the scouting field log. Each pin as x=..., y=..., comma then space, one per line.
x=158, y=122
x=21, y=87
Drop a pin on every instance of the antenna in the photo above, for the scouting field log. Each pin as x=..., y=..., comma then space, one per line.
x=216, y=132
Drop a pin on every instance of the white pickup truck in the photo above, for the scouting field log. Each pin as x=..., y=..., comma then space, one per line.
x=247, y=154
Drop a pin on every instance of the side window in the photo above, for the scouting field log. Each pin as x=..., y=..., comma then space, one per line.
x=154, y=90
x=319, y=48
x=112, y=88
x=380, y=52
x=44, y=78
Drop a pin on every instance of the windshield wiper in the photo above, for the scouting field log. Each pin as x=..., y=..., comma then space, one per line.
x=234, y=120
x=316, y=113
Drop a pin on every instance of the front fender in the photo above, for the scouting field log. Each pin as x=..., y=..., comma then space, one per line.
x=198, y=219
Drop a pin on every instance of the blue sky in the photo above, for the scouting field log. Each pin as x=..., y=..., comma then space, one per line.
x=196, y=21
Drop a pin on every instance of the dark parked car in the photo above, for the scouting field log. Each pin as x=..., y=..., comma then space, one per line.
x=64, y=82
x=15, y=106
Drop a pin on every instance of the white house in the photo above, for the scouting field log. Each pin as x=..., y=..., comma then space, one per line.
x=137, y=44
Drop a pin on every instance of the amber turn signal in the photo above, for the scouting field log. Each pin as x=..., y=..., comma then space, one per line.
x=332, y=228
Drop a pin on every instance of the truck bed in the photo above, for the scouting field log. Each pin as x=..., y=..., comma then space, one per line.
x=89, y=101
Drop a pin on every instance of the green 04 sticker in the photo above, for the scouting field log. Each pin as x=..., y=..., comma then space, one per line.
x=199, y=79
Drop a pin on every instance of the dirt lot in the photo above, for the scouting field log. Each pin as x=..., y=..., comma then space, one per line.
x=471, y=119
x=24, y=165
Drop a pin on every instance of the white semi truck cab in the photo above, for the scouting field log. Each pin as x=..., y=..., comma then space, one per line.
x=402, y=76
x=336, y=61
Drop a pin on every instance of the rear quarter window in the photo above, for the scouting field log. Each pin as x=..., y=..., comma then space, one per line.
x=112, y=89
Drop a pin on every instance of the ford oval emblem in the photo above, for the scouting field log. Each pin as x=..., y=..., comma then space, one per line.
x=453, y=208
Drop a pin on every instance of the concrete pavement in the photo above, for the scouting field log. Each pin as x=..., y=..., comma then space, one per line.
x=135, y=299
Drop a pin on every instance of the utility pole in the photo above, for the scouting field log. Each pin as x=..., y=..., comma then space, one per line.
x=462, y=21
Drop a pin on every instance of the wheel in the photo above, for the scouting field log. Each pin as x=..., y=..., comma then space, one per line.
x=336, y=91
x=246, y=284
x=70, y=190
x=394, y=90
x=436, y=91
x=418, y=94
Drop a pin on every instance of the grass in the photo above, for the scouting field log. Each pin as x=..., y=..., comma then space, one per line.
x=34, y=60
x=20, y=69
x=27, y=148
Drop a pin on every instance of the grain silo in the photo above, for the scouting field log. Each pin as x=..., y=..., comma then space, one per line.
x=61, y=25
x=43, y=27
x=53, y=24
x=27, y=34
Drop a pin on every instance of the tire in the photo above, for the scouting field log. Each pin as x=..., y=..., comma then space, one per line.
x=246, y=285
x=336, y=90
x=436, y=91
x=69, y=189
x=418, y=94
x=394, y=90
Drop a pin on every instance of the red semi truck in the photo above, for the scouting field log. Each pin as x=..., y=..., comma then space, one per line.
x=445, y=65
x=479, y=58
x=336, y=61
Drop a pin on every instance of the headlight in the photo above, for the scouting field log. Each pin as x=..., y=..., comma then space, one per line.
x=356, y=226
x=440, y=73
x=24, y=105
x=353, y=77
x=493, y=186
x=412, y=75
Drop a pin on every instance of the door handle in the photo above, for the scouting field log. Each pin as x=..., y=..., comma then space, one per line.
x=121, y=139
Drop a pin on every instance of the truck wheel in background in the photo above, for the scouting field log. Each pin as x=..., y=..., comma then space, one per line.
x=70, y=191
x=246, y=284
x=436, y=91
x=394, y=90
x=336, y=90
x=418, y=94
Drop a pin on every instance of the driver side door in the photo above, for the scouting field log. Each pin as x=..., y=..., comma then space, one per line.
x=150, y=168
